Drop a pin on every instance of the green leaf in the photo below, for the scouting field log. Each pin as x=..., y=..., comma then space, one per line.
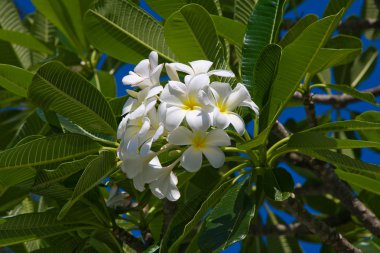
x=191, y=34
x=95, y=172
x=229, y=221
x=128, y=33
x=347, y=125
x=371, y=12
x=15, y=79
x=25, y=40
x=365, y=96
x=341, y=50
x=67, y=16
x=105, y=83
x=117, y=104
x=371, y=116
x=166, y=7
x=56, y=88
x=293, y=68
x=297, y=29
x=315, y=140
x=243, y=10
x=10, y=20
x=20, y=178
x=26, y=227
x=264, y=16
x=363, y=182
x=209, y=203
x=278, y=184
x=344, y=162
x=229, y=29
x=47, y=150
x=265, y=73
x=334, y=6
x=45, y=178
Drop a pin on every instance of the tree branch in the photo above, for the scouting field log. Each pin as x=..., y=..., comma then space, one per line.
x=169, y=209
x=327, y=234
x=125, y=237
x=334, y=185
x=336, y=100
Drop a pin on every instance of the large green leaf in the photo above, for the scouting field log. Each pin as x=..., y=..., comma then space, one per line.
x=191, y=34
x=334, y=6
x=127, y=33
x=15, y=79
x=347, y=125
x=297, y=29
x=25, y=40
x=166, y=7
x=210, y=202
x=105, y=82
x=278, y=184
x=56, y=88
x=45, y=178
x=371, y=116
x=292, y=67
x=67, y=16
x=10, y=20
x=95, y=172
x=261, y=31
x=229, y=29
x=21, y=177
x=265, y=73
x=26, y=227
x=47, y=150
x=364, y=182
x=371, y=12
x=229, y=221
x=243, y=10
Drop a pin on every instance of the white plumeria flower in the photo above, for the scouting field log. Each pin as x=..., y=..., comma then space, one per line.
x=196, y=68
x=200, y=143
x=163, y=182
x=225, y=101
x=146, y=73
x=188, y=100
x=136, y=166
x=118, y=199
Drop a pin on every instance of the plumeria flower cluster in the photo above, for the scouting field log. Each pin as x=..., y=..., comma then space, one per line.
x=188, y=115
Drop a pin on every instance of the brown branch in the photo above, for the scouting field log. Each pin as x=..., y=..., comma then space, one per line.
x=125, y=237
x=327, y=234
x=311, y=190
x=337, y=188
x=311, y=115
x=336, y=100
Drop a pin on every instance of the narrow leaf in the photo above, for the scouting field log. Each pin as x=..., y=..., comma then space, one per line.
x=25, y=40
x=15, y=79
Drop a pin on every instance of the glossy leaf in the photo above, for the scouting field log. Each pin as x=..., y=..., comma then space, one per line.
x=278, y=184
x=191, y=34
x=347, y=125
x=371, y=116
x=21, y=177
x=15, y=79
x=363, y=182
x=128, y=34
x=264, y=17
x=229, y=221
x=105, y=83
x=243, y=10
x=297, y=29
x=95, y=172
x=47, y=150
x=334, y=6
x=56, y=88
x=229, y=29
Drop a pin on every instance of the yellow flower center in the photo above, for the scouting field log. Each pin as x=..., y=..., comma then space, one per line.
x=190, y=103
x=222, y=107
x=199, y=141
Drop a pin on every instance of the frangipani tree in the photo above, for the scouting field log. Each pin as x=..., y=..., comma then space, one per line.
x=174, y=165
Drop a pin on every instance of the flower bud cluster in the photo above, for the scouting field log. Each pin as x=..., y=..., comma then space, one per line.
x=190, y=116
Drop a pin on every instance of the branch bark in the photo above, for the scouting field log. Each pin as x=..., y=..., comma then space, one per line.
x=125, y=237
x=336, y=100
x=327, y=234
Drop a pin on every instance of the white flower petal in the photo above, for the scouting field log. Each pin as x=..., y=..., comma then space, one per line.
x=220, y=90
x=221, y=72
x=191, y=159
x=237, y=122
x=171, y=71
x=121, y=128
x=155, y=74
x=200, y=66
x=215, y=156
x=153, y=60
x=174, y=117
x=203, y=98
x=154, y=91
x=138, y=182
x=180, y=136
x=238, y=95
x=249, y=103
x=198, y=83
x=143, y=68
x=128, y=105
x=198, y=120
x=168, y=98
x=183, y=68
x=132, y=167
x=221, y=120
x=218, y=137
x=132, y=79
x=173, y=193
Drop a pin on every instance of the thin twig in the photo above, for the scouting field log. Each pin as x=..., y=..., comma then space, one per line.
x=327, y=234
